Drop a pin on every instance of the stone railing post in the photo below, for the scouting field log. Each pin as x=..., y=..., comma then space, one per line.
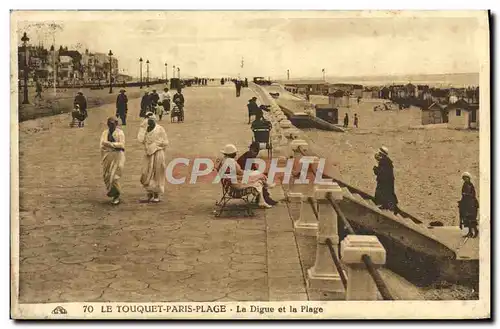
x=282, y=144
x=324, y=274
x=360, y=285
x=307, y=224
x=295, y=204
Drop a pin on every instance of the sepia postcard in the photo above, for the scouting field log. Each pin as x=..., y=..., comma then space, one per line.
x=250, y=165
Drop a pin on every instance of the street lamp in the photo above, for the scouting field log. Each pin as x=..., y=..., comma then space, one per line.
x=166, y=73
x=25, y=40
x=147, y=73
x=140, y=74
x=110, y=84
x=288, y=74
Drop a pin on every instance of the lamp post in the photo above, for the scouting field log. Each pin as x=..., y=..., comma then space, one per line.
x=288, y=74
x=166, y=73
x=147, y=73
x=140, y=74
x=178, y=73
x=25, y=40
x=110, y=83
x=53, y=52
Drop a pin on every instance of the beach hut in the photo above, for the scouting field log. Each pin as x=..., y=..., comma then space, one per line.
x=340, y=98
x=434, y=114
x=463, y=115
x=367, y=93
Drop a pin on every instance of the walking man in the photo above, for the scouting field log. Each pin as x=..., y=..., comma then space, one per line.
x=121, y=106
x=112, y=158
x=38, y=90
x=145, y=104
x=385, y=195
x=154, y=138
x=154, y=98
x=356, y=120
x=238, y=87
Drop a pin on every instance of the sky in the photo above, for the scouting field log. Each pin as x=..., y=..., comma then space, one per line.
x=270, y=43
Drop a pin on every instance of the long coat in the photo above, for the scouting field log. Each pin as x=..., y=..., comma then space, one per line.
x=121, y=103
x=81, y=101
x=468, y=206
x=384, y=193
x=145, y=105
x=253, y=108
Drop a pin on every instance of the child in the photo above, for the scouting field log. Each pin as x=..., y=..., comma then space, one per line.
x=159, y=110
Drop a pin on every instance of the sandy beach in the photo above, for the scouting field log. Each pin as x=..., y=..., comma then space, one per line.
x=428, y=163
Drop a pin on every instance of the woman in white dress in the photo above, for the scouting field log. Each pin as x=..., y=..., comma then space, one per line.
x=255, y=178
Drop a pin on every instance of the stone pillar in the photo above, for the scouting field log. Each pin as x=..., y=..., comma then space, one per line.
x=307, y=224
x=360, y=285
x=282, y=144
x=324, y=275
x=295, y=205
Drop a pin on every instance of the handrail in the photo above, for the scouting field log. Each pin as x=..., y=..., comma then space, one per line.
x=377, y=278
x=337, y=263
x=341, y=215
x=379, y=282
x=311, y=201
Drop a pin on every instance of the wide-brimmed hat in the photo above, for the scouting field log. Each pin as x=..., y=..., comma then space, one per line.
x=383, y=150
x=122, y=90
x=229, y=149
x=253, y=99
x=466, y=174
x=112, y=118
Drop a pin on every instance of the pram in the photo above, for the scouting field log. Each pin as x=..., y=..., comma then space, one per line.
x=177, y=112
x=78, y=117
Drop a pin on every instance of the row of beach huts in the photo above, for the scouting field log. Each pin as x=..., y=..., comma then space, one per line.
x=457, y=107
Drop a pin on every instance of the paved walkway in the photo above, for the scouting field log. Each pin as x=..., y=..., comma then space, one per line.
x=75, y=246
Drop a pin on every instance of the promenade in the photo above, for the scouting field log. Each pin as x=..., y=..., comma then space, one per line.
x=75, y=246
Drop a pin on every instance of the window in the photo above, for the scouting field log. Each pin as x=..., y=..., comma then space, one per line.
x=458, y=113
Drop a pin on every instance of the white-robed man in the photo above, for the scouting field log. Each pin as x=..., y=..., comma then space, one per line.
x=112, y=158
x=154, y=138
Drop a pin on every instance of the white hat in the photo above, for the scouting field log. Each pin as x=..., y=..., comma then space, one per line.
x=466, y=174
x=149, y=113
x=229, y=149
x=384, y=150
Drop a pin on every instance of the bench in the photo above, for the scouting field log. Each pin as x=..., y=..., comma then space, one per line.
x=229, y=192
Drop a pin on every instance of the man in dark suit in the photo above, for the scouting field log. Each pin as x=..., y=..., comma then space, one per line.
x=121, y=106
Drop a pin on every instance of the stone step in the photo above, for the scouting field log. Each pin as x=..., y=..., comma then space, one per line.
x=347, y=193
x=371, y=203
